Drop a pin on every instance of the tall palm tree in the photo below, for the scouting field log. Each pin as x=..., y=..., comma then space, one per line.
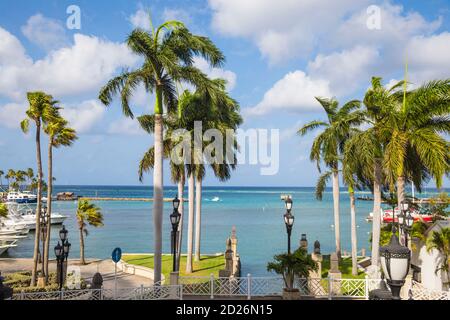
x=329, y=144
x=87, y=213
x=416, y=149
x=59, y=134
x=367, y=147
x=41, y=110
x=168, y=55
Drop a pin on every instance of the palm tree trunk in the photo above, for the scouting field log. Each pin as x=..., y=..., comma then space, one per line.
x=158, y=195
x=400, y=191
x=190, y=223
x=337, y=231
x=38, y=206
x=180, y=226
x=49, y=208
x=376, y=213
x=82, y=261
x=198, y=217
x=353, y=228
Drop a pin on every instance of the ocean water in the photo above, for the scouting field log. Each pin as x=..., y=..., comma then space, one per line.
x=256, y=212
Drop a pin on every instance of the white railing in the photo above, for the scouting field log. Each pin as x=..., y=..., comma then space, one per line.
x=273, y=286
x=419, y=292
x=140, y=293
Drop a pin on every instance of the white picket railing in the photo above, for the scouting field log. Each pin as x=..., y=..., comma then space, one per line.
x=419, y=292
x=169, y=292
x=273, y=286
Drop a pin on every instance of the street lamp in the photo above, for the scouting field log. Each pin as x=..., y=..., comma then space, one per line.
x=175, y=220
x=395, y=260
x=62, y=254
x=288, y=220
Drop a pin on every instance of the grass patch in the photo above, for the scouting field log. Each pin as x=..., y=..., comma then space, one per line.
x=345, y=267
x=204, y=267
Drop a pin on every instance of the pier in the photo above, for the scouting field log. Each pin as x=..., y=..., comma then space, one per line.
x=124, y=199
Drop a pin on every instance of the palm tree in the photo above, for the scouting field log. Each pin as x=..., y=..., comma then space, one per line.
x=168, y=55
x=416, y=150
x=9, y=176
x=59, y=134
x=329, y=144
x=367, y=148
x=87, y=213
x=20, y=178
x=41, y=110
x=440, y=241
x=30, y=175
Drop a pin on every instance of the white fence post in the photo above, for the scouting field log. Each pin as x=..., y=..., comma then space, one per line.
x=211, y=285
x=142, y=292
x=366, y=289
x=22, y=295
x=330, y=287
x=249, y=286
x=180, y=287
x=61, y=294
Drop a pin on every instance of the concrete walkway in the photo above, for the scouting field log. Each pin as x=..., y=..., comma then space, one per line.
x=105, y=267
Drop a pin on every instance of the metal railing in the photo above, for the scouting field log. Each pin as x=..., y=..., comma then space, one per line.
x=419, y=292
x=169, y=292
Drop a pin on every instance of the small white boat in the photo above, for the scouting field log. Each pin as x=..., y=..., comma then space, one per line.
x=25, y=216
x=21, y=197
x=6, y=244
x=215, y=199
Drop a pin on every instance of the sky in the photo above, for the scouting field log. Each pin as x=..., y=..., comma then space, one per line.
x=280, y=54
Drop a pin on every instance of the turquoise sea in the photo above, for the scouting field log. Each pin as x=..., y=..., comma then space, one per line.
x=257, y=213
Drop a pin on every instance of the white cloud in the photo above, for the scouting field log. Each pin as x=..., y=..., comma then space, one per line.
x=11, y=114
x=215, y=73
x=84, y=116
x=281, y=29
x=140, y=19
x=345, y=70
x=44, y=32
x=83, y=67
x=294, y=92
x=126, y=126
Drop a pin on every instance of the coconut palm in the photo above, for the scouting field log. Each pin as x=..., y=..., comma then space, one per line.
x=87, y=214
x=329, y=144
x=168, y=54
x=59, y=134
x=368, y=147
x=42, y=108
x=30, y=175
x=440, y=241
x=416, y=149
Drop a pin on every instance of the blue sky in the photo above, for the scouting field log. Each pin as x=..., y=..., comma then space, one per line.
x=280, y=54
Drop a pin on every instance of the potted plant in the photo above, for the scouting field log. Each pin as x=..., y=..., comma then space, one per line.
x=297, y=264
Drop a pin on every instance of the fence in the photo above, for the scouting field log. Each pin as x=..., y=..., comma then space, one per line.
x=139, y=293
x=419, y=292
x=244, y=287
x=273, y=286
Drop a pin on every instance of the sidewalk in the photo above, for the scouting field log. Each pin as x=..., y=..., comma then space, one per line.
x=105, y=267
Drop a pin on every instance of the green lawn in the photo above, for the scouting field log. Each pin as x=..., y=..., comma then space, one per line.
x=345, y=266
x=206, y=265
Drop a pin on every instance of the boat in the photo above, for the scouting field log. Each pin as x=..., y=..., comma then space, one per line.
x=6, y=244
x=21, y=197
x=215, y=199
x=25, y=216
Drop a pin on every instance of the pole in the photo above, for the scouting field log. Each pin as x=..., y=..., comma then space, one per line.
x=289, y=241
x=174, y=248
x=115, y=280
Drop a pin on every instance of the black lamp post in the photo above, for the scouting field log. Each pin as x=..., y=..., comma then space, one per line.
x=62, y=254
x=175, y=220
x=395, y=260
x=288, y=220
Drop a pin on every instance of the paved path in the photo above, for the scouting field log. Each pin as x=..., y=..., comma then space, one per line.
x=105, y=267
